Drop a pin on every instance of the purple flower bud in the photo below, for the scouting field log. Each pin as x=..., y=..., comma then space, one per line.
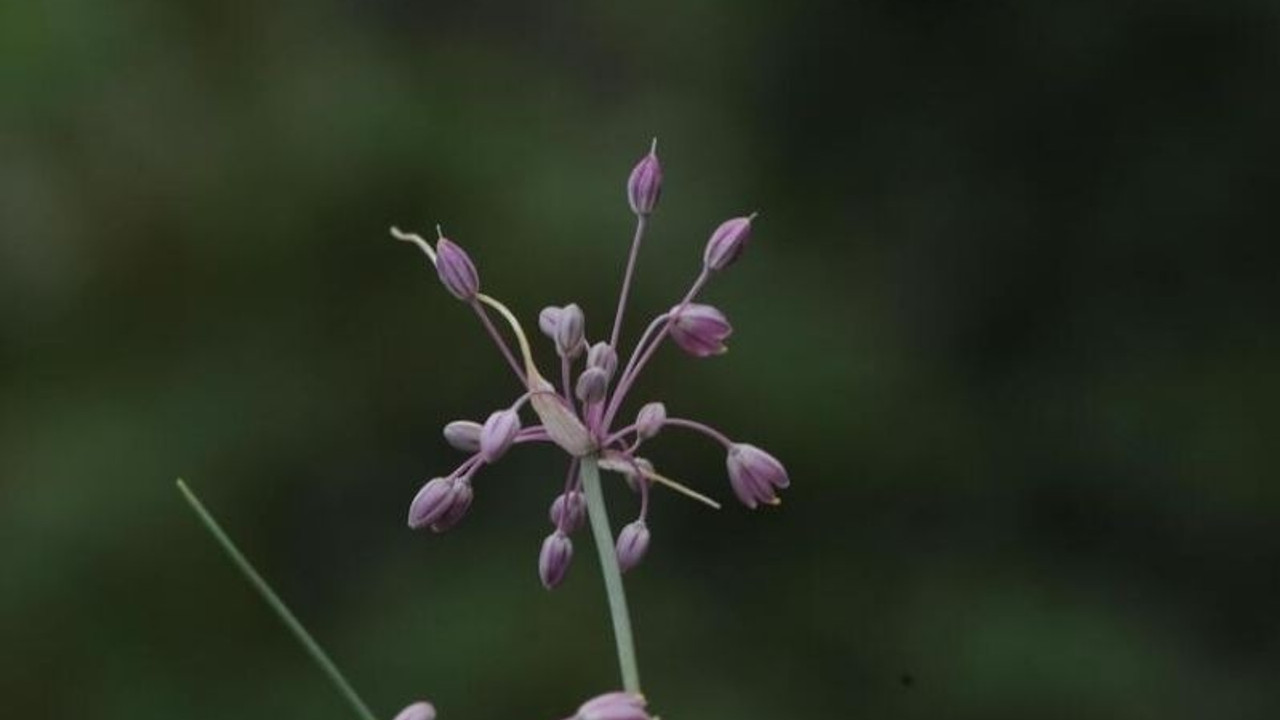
x=700, y=330
x=548, y=319
x=418, y=711
x=592, y=385
x=650, y=419
x=456, y=270
x=568, y=511
x=497, y=434
x=432, y=502
x=644, y=187
x=603, y=356
x=458, y=506
x=553, y=561
x=463, y=435
x=755, y=474
x=570, y=327
x=633, y=541
x=727, y=242
x=613, y=706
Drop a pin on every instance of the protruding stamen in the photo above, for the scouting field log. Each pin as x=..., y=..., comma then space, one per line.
x=416, y=239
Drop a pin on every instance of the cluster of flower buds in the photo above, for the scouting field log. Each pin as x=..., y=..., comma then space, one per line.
x=578, y=407
x=609, y=706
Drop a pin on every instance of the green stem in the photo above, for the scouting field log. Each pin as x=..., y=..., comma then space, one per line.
x=612, y=574
x=312, y=647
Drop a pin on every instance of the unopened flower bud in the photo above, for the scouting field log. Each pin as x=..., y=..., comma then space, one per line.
x=497, y=434
x=603, y=356
x=456, y=270
x=755, y=475
x=700, y=330
x=568, y=511
x=650, y=419
x=613, y=706
x=644, y=186
x=418, y=711
x=727, y=242
x=432, y=502
x=548, y=319
x=570, y=327
x=553, y=561
x=458, y=506
x=633, y=541
x=592, y=385
x=463, y=435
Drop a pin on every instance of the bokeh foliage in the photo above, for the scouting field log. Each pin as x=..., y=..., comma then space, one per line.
x=1009, y=317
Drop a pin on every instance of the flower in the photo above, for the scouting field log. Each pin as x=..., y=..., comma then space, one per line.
x=633, y=541
x=755, y=475
x=418, y=711
x=613, y=706
x=577, y=407
x=700, y=330
x=644, y=186
x=553, y=561
x=727, y=243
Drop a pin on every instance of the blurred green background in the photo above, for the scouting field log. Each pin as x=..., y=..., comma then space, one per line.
x=1009, y=317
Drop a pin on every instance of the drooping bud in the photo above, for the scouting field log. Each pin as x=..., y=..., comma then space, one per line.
x=727, y=242
x=700, y=330
x=432, y=502
x=458, y=506
x=592, y=385
x=650, y=419
x=548, y=319
x=755, y=475
x=613, y=706
x=644, y=186
x=633, y=541
x=463, y=435
x=498, y=433
x=568, y=511
x=553, y=561
x=603, y=356
x=456, y=270
x=418, y=711
x=570, y=327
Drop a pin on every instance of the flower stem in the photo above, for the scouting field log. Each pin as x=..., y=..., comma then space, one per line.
x=612, y=574
x=304, y=638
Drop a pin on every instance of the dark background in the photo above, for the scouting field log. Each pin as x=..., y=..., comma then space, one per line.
x=1008, y=317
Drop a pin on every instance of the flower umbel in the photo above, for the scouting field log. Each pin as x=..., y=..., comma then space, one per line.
x=576, y=407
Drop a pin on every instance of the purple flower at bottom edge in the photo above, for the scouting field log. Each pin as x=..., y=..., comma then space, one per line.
x=613, y=706
x=418, y=711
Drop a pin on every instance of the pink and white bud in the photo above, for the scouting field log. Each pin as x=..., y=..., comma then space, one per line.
x=592, y=385
x=603, y=356
x=570, y=329
x=456, y=270
x=644, y=186
x=650, y=419
x=700, y=330
x=432, y=502
x=498, y=434
x=633, y=542
x=458, y=506
x=553, y=561
x=548, y=319
x=755, y=475
x=418, y=711
x=727, y=242
x=463, y=435
x=568, y=511
x=613, y=706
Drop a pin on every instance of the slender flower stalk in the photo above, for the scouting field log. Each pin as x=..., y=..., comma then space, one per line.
x=599, y=517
